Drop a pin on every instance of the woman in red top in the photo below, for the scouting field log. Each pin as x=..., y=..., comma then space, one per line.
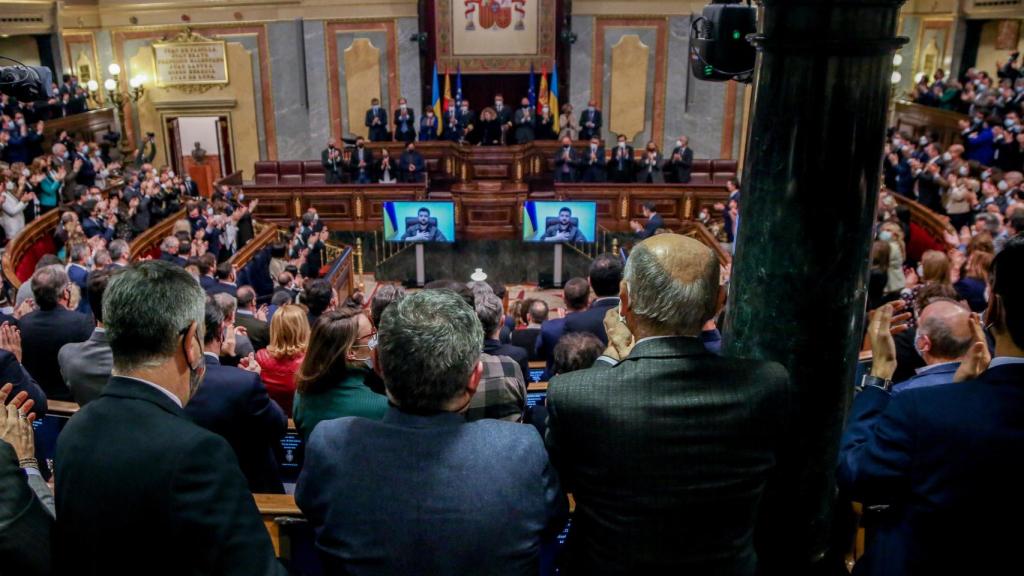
x=289, y=335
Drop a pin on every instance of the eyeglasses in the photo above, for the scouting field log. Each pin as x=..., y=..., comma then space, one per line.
x=371, y=342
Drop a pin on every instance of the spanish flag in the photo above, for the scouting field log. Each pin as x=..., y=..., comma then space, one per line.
x=553, y=98
x=542, y=95
x=447, y=91
x=435, y=102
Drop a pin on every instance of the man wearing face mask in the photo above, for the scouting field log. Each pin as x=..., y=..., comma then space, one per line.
x=942, y=339
x=677, y=168
x=503, y=115
x=566, y=162
x=377, y=122
x=450, y=129
x=161, y=470
x=86, y=172
x=592, y=162
x=405, y=122
x=590, y=122
x=360, y=162
x=620, y=166
x=428, y=125
x=524, y=121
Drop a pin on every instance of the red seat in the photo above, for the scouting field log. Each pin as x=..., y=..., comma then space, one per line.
x=701, y=166
x=265, y=172
x=313, y=172
x=722, y=177
x=290, y=172
x=270, y=179
x=699, y=178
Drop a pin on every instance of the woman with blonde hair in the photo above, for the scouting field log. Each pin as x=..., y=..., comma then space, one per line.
x=279, y=362
x=570, y=126
x=892, y=233
x=973, y=286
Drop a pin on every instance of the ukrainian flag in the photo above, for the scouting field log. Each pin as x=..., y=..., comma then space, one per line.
x=436, y=102
x=553, y=98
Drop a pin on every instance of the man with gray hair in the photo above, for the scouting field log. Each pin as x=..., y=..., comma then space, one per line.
x=119, y=252
x=491, y=312
x=942, y=339
x=666, y=447
x=470, y=497
x=139, y=482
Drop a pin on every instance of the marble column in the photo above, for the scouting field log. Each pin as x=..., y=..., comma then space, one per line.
x=809, y=192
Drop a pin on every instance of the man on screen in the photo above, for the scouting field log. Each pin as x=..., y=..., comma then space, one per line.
x=564, y=230
x=423, y=230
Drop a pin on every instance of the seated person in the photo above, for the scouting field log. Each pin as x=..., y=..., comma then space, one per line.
x=564, y=230
x=424, y=230
x=480, y=496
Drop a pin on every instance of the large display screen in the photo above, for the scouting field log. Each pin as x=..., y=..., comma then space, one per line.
x=570, y=222
x=419, y=221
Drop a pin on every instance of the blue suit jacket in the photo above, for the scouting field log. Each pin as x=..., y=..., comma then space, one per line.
x=928, y=377
x=234, y=404
x=592, y=319
x=550, y=332
x=431, y=495
x=946, y=459
x=80, y=276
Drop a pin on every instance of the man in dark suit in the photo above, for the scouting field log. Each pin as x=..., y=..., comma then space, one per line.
x=451, y=130
x=504, y=116
x=12, y=372
x=467, y=122
x=678, y=166
x=332, y=161
x=25, y=522
x=621, y=164
x=405, y=122
x=666, y=447
x=566, y=161
x=524, y=121
x=592, y=163
x=590, y=122
x=479, y=496
x=654, y=221
x=360, y=163
x=163, y=493
x=78, y=273
x=943, y=458
x=377, y=122
x=411, y=166
x=605, y=276
x=234, y=404
x=86, y=173
x=246, y=317
x=491, y=313
x=86, y=366
x=576, y=294
x=46, y=330
x=225, y=281
x=207, y=264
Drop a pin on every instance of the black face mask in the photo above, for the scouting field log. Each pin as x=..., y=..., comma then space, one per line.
x=360, y=145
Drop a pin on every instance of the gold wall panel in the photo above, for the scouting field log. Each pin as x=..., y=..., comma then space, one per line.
x=362, y=82
x=629, y=86
x=236, y=100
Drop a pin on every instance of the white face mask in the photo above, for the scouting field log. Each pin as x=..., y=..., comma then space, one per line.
x=9, y=185
x=679, y=143
x=1003, y=186
x=403, y=107
x=947, y=157
x=964, y=170
x=593, y=147
x=622, y=144
x=26, y=173
x=170, y=174
x=923, y=141
x=498, y=104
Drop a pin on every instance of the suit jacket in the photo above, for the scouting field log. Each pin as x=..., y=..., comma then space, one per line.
x=411, y=159
x=409, y=124
x=332, y=166
x=379, y=132
x=666, y=453
x=943, y=459
x=928, y=376
x=85, y=366
x=43, y=334
x=679, y=170
x=353, y=162
x=652, y=225
x=86, y=175
x=527, y=339
x=163, y=493
x=654, y=175
x=233, y=403
x=258, y=330
x=565, y=169
x=621, y=169
x=80, y=276
x=592, y=319
x=524, y=126
x=206, y=282
x=550, y=332
x=586, y=133
x=12, y=371
x=219, y=287
x=593, y=170
x=25, y=525
x=470, y=498
x=520, y=355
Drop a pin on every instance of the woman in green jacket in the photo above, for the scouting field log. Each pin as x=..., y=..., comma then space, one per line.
x=331, y=380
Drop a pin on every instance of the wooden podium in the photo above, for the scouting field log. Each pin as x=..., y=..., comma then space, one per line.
x=203, y=175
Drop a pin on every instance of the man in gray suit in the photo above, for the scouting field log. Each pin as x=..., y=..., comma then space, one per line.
x=466, y=498
x=665, y=447
x=85, y=366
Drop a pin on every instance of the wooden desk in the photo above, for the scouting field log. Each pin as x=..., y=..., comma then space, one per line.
x=272, y=506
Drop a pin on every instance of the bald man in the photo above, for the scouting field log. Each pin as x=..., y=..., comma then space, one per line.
x=666, y=447
x=943, y=337
x=332, y=162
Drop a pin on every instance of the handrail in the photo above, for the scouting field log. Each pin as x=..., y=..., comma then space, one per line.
x=265, y=236
x=342, y=275
x=936, y=225
x=17, y=248
x=698, y=231
x=152, y=237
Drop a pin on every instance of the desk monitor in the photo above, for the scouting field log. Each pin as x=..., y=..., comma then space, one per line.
x=572, y=222
x=419, y=221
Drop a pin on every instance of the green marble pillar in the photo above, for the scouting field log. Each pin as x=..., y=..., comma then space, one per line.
x=808, y=200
